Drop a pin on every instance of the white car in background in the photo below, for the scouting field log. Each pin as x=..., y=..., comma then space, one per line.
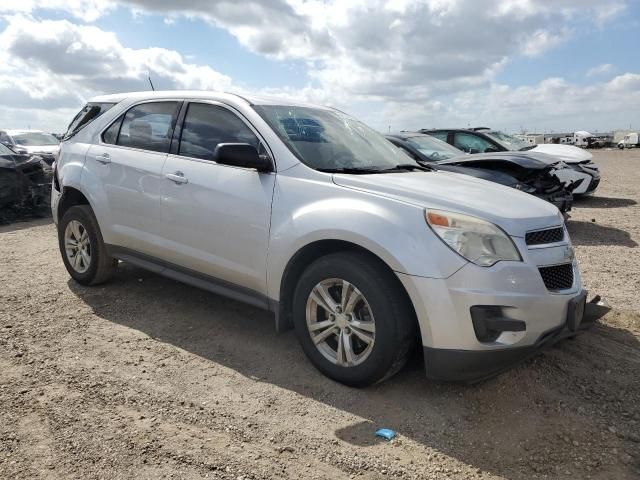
x=34, y=142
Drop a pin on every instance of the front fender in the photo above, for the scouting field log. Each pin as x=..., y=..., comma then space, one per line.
x=310, y=210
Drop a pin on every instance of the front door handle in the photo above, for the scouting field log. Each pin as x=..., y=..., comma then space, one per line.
x=177, y=177
x=104, y=158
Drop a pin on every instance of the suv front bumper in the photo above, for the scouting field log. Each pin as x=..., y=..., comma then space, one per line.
x=473, y=366
x=455, y=351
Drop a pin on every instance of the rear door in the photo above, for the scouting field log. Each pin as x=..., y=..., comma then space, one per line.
x=215, y=217
x=127, y=165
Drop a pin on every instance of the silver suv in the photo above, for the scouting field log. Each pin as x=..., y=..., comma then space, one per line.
x=306, y=212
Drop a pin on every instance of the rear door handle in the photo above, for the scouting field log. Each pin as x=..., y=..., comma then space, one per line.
x=104, y=158
x=177, y=177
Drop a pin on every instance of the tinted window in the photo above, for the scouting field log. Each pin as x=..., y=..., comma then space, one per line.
x=84, y=117
x=110, y=135
x=148, y=126
x=433, y=148
x=205, y=126
x=5, y=138
x=471, y=143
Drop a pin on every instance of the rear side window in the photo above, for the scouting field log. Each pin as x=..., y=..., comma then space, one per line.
x=205, y=126
x=148, y=126
x=84, y=117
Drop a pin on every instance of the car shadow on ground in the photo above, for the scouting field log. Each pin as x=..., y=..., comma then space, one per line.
x=487, y=425
x=593, y=234
x=603, y=202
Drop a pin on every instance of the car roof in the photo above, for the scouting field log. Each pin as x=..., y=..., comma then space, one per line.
x=201, y=95
x=404, y=135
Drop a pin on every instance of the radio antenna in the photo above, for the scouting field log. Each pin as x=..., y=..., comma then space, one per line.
x=150, y=82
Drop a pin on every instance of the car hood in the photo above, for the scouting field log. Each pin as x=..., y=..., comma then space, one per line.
x=566, y=153
x=514, y=211
x=529, y=160
x=491, y=175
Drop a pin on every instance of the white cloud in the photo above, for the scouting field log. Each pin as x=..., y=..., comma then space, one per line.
x=55, y=64
x=602, y=69
x=408, y=63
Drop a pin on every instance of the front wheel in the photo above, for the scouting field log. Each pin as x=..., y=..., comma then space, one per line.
x=353, y=320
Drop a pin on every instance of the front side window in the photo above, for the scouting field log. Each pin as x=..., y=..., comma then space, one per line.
x=331, y=140
x=433, y=148
x=205, y=126
x=508, y=141
x=35, y=139
x=470, y=143
x=148, y=126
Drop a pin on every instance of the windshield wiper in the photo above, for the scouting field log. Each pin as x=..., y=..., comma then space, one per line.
x=354, y=170
x=409, y=167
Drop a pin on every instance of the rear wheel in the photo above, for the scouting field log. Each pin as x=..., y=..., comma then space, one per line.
x=83, y=251
x=352, y=319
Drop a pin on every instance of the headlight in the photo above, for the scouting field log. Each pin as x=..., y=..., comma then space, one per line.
x=480, y=242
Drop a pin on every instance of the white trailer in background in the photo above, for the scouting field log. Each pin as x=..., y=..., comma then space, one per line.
x=581, y=138
x=630, y=140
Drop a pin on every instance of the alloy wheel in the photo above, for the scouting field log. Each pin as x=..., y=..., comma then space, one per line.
x=77, y=246
x=340, y=322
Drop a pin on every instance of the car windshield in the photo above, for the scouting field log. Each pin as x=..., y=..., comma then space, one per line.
x=433, y=148
x=33, y=139
x=4, y=150
x=331, y=140
x=509, y=141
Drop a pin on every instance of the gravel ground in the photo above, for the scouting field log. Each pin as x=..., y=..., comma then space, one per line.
x=148, y=378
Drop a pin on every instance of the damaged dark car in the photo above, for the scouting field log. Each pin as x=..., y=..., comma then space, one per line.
x=519, y=170
x=25, y=185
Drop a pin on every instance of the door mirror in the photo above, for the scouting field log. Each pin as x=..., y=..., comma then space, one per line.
x=241, y=155
x=474, y=150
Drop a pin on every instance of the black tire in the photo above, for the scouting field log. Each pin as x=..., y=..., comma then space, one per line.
x=395, y=323
x=101, y=266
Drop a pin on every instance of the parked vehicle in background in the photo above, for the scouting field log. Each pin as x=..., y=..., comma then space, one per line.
x=630, y=140
x=25, y=183
x=520, y=170
x=34, y=142
x=585, y=175
x=306, y=212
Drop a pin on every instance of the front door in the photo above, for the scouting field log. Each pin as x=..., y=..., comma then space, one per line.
x=216, y=218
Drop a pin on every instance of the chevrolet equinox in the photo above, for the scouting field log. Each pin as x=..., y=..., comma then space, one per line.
x=307, y=212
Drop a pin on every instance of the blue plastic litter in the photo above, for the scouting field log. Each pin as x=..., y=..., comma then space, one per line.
x=386, y=433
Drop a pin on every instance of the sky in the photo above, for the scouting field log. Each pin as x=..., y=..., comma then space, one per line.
x=516, y=65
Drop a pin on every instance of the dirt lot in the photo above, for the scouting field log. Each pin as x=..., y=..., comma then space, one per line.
x=148, y=378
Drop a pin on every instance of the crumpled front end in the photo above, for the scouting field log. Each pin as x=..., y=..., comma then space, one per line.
x=26, y=188
x=546, y=185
